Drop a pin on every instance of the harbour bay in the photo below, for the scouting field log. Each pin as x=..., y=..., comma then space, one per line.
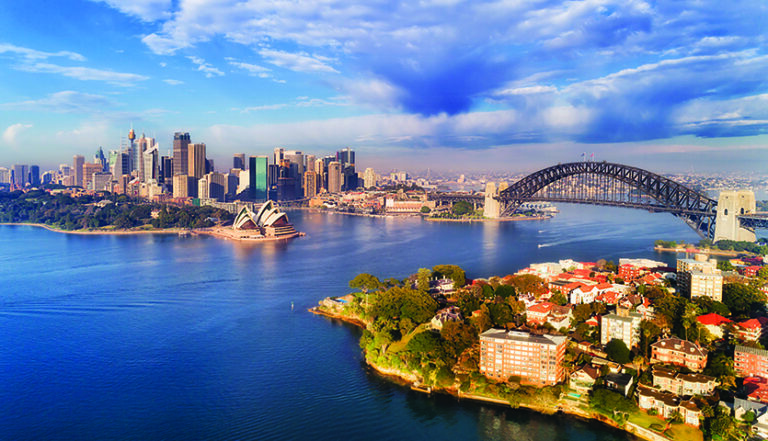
x=163, y=337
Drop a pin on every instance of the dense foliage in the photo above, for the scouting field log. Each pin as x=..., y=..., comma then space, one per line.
x=89, y=211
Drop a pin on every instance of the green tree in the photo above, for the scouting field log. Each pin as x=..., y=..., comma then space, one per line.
x=453, y=272
x=648, y=331
x=365, y=282
x=617, y=351
x=724, y=265
x=528, y=284
x=505, y=292
x=425, y=209
x=558, y=298
x=763, y=273
x=742, y=299
x=422, y=279
x=461, y=208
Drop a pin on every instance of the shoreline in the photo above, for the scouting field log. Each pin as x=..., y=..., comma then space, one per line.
x=728, y=253
x=406, y=380
x=500, y=219
x=102, y=232
x=176, y=231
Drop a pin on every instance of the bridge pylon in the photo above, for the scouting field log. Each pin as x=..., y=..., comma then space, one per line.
x=730, y=205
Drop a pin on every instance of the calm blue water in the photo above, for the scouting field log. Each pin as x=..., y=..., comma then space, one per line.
x=167, y=338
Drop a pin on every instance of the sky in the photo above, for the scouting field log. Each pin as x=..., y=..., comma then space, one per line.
x=672, y=86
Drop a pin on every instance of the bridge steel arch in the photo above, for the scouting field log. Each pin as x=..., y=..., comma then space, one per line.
x=696, y=209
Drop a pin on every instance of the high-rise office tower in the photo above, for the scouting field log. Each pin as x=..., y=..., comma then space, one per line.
x=279, y=151
x=166, y=170
x=196, y=167
x=144, y=144
x=346, y=157
x=77, y=168
x=34, y=175
x=149, y=167
x=310, y=184
x=101, y=159
x=19, y=176
x=334, y=177
x=89, y=168
x=349, y=177
x=257, y=168
x=5, y=176
x=181, y=143
x=238, y=161
x=296, y=157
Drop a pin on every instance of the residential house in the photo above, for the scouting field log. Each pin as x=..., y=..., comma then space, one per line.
x=679, y=352
x=583, y=379
x=560, y=316
x=620, y=383
x=714, y=323
x=538, y=313
x=756, y=389
x=449, y=314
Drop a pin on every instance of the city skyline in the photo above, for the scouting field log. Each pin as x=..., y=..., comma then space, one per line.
x=446, y=85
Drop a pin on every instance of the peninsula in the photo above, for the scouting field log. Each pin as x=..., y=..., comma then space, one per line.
x=622, y=344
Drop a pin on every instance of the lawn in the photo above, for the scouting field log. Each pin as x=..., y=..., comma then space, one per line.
x=676, y=431
x=400, y=345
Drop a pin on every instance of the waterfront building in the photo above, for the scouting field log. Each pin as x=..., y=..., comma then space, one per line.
x=181, y=143
x=77, y=168
x=268, y=221
x=334, y=177
x=238, y=161
x=625, y=327
x=257, y=177
x=667, y=404
x=535, y=359
x=583, y=379
x=683, y=384
x=750, y=362
x=679, y=352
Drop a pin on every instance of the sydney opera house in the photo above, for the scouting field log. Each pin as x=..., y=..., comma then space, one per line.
x=268, y=222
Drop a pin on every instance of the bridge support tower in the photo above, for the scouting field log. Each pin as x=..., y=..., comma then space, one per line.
x=730, y=205
x=491, y=206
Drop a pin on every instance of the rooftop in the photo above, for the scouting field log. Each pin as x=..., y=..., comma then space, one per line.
x=523, y=337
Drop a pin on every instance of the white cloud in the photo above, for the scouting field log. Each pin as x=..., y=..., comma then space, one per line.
x=10, y=133
x=32, y=54
x=66, y=101
x=299, y=62
x=146, y=10
x=206, y=68
x=173, y=82
x=85, y=73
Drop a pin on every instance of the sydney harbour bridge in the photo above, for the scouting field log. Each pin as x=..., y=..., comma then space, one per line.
x=732, y=216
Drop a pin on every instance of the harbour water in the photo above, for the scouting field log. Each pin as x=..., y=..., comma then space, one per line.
x=157, y=337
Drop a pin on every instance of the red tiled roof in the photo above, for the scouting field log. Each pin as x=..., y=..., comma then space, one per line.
x=712, y=319
x=754, y=323
x=541, y=308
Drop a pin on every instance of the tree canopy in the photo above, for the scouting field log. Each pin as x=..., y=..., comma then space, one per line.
x=618, y=351
x=365, y=282
x=742, y=299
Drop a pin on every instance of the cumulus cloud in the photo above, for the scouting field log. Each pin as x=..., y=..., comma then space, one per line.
x=12, y=131
x=594, y=70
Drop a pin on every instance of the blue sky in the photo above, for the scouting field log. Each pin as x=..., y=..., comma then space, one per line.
x=447, y=84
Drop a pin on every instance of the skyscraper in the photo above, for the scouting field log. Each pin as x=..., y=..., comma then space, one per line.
x=132, y=156
x=77, y=166
x=334, y=177
x=238, y=161
x=101, y=159
x=19, y=176
x=310, y=184
x=180, y=153
x=369, y=178
x=296, y=157
x=346, y=157
x=257, y=168
x=278, y=155
x=196, y=156
x=34, y=175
